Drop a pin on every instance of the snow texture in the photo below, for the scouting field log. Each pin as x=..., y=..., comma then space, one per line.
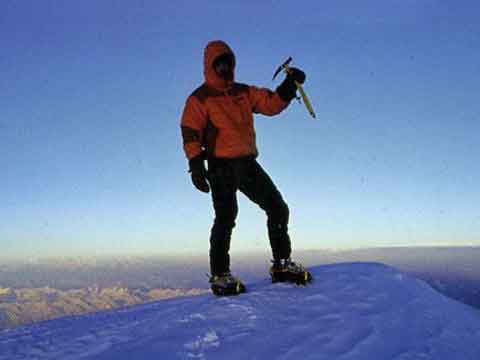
x=351, y=311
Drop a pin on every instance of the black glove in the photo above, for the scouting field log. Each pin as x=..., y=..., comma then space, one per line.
x=199, y=174
x=287, y=90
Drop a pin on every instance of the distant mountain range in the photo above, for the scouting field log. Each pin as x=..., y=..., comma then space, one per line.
x=24, y=306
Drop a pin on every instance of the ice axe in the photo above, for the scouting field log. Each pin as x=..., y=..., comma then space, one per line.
x=287, y=70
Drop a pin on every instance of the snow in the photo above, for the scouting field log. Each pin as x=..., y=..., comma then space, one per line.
x=351, y=311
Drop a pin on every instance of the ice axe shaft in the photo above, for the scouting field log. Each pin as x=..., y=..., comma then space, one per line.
x=306, y=101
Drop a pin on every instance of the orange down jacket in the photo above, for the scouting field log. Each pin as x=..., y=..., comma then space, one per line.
x=218, y=116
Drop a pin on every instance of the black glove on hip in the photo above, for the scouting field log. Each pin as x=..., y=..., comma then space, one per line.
x=199, y=174
x=287, y=90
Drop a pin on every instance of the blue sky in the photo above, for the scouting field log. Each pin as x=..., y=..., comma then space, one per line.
x=91, y=95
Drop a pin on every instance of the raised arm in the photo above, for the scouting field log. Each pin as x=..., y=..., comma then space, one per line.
x=266, y=102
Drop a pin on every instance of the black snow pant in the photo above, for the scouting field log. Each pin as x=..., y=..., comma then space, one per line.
x=245, y=174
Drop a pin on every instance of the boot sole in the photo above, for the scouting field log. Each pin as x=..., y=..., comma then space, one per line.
x=234, y=289
x=302, y=278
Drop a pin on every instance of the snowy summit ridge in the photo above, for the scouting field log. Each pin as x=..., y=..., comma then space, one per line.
x=351, y=311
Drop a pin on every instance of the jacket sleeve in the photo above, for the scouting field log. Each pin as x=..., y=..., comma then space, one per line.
x=194, y=120
x=266, y=102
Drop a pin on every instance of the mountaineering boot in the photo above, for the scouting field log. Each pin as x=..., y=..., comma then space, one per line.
x=226, y=284
x=285, y=270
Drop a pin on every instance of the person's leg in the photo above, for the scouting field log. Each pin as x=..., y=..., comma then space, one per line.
x=223, y=187
x=259, y=188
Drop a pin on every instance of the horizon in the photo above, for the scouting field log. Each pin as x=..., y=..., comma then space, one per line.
x=239, y=254
x=42, y=291
x=47, y=288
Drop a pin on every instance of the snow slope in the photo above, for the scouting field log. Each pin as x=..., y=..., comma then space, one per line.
x=352, y=311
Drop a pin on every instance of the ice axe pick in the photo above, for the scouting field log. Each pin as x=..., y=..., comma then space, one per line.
x=286, y=68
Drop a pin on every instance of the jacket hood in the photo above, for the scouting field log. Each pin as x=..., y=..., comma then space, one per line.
x=213, y=50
